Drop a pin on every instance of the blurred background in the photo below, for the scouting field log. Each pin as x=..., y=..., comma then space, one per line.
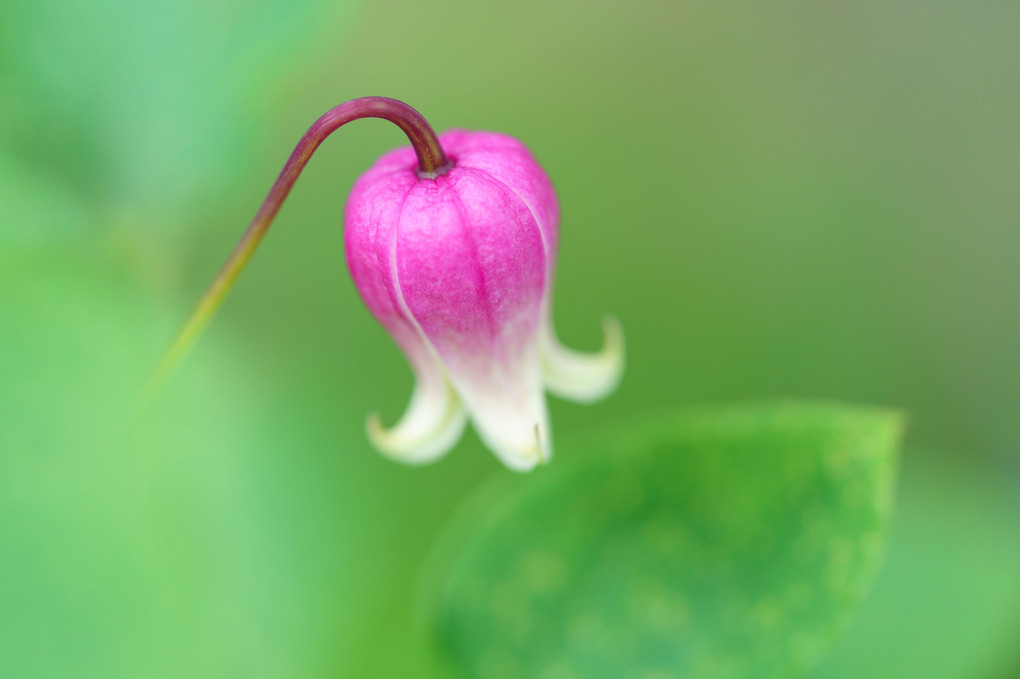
x=778, y=200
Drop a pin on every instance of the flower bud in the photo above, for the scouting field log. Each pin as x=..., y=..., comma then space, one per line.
x=459, y=269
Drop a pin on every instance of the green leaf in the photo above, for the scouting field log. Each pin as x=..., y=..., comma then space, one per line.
x=174, y=540
x=173, y=96
x=731, y=543
x=950, y=579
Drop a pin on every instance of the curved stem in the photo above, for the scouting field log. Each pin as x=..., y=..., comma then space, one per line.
x=432, y=162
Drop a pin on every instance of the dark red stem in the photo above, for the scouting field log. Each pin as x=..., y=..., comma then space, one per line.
x=432, y=162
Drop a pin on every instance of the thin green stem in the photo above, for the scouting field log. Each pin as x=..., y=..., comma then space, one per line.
x=432, y=162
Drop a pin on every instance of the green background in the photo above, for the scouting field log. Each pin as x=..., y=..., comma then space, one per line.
x=777, y=199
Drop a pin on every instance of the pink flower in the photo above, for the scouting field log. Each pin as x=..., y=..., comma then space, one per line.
x=459, y=269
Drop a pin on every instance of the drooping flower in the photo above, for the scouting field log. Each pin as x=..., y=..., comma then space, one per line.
x=452, y=244
x=459, y=269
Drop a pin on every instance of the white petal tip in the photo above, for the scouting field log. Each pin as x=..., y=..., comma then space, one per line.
x=581, y=377
x=520, y=449
x=411, y=443
x=535, y=453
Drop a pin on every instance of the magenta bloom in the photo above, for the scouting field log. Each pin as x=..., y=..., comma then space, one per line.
x=452, y=244
x=459, y=269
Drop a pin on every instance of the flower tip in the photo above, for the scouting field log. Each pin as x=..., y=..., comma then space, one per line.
x=613, y=348
x=536, y=453
x=414, y=441
x=581, y=377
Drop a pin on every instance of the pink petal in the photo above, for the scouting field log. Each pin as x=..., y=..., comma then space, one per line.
x=472, y=268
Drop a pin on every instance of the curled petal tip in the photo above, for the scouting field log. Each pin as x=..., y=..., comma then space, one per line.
x=424, y=434
x=584, y=377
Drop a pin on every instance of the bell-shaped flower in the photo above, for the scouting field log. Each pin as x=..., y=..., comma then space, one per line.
x=452, y=244
x=459, y=269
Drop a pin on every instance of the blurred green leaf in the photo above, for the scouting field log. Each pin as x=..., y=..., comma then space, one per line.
x=731, y=543
x=71, y=364
x=949, y=594
x=146, y=103
x=172, y=542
